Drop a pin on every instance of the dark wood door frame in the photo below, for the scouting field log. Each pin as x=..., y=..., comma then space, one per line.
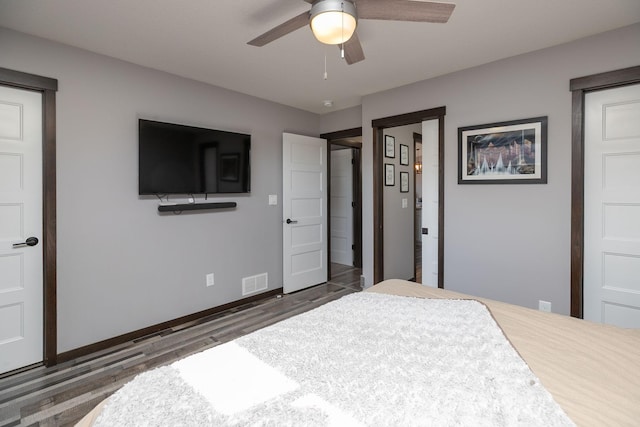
x=378, y=126
x=579, y=88
x=47, y=87
x=338, y=138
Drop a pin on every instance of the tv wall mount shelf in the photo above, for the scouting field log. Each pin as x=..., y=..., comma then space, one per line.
x=180, y=207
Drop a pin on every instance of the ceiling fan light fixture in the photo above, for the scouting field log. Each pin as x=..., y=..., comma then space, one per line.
x=333, y=21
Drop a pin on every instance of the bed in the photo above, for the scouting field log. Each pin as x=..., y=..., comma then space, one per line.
x=380, y=358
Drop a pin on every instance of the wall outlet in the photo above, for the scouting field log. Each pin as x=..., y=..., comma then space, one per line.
x=273, y=199
x=544, y=306
x=210, y=279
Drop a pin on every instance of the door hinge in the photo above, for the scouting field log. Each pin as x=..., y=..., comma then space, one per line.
x=353, y=247
x=353, y=204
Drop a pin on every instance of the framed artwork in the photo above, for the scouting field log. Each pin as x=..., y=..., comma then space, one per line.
x=513, y=152
x=404, y=182
x=389, y=146
x=404, y=155
x=389, y=174
x=230, y=167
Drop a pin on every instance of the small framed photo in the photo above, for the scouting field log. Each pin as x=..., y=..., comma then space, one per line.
x=389, y=146
x=389, y=174
x=404, y=182
x=230, y=167
x=404, y=155
x=513, y=152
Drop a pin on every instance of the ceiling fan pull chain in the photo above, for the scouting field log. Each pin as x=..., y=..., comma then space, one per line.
x=325, y=64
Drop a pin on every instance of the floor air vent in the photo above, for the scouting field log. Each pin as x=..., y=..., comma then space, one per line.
x=254, y=284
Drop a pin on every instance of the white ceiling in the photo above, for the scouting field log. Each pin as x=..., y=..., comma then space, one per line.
x=206, y=40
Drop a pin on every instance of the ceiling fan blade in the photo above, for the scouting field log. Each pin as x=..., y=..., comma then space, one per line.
x=281, y=30
x=353, y=50
x=405, y=10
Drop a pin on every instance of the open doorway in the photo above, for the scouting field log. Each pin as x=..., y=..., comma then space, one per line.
x=344, y=207
x=432, y=121
x=399, y=200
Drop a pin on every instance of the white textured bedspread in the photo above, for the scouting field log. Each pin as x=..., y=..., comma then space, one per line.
x=366, y=359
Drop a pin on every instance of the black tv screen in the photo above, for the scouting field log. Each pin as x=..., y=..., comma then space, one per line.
x=179, y=159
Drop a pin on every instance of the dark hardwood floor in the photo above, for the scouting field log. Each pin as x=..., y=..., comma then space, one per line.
x=63, y=394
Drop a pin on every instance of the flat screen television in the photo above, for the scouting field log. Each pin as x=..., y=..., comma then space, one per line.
x=179, y=159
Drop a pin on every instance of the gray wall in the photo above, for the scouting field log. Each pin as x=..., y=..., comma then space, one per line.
x=121, y=265
x=399, y=259
x=341, y=120
x=507, y=242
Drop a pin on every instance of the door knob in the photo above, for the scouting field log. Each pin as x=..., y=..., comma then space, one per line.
x=290, y=221
x=31, y=241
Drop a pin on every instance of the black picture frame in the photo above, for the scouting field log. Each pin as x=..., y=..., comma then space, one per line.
x=389, y=146
x=389, y=174
x=404, y=182
x=230, y=167
x=511, y=152
x=404, y=155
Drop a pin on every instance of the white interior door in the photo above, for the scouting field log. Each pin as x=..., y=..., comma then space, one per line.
x=342, y=206
x=21, y=299
x=304, y=209
x=430, y=202
x=612, y=207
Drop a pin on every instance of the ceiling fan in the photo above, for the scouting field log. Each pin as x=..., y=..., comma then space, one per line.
x=335, y=21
